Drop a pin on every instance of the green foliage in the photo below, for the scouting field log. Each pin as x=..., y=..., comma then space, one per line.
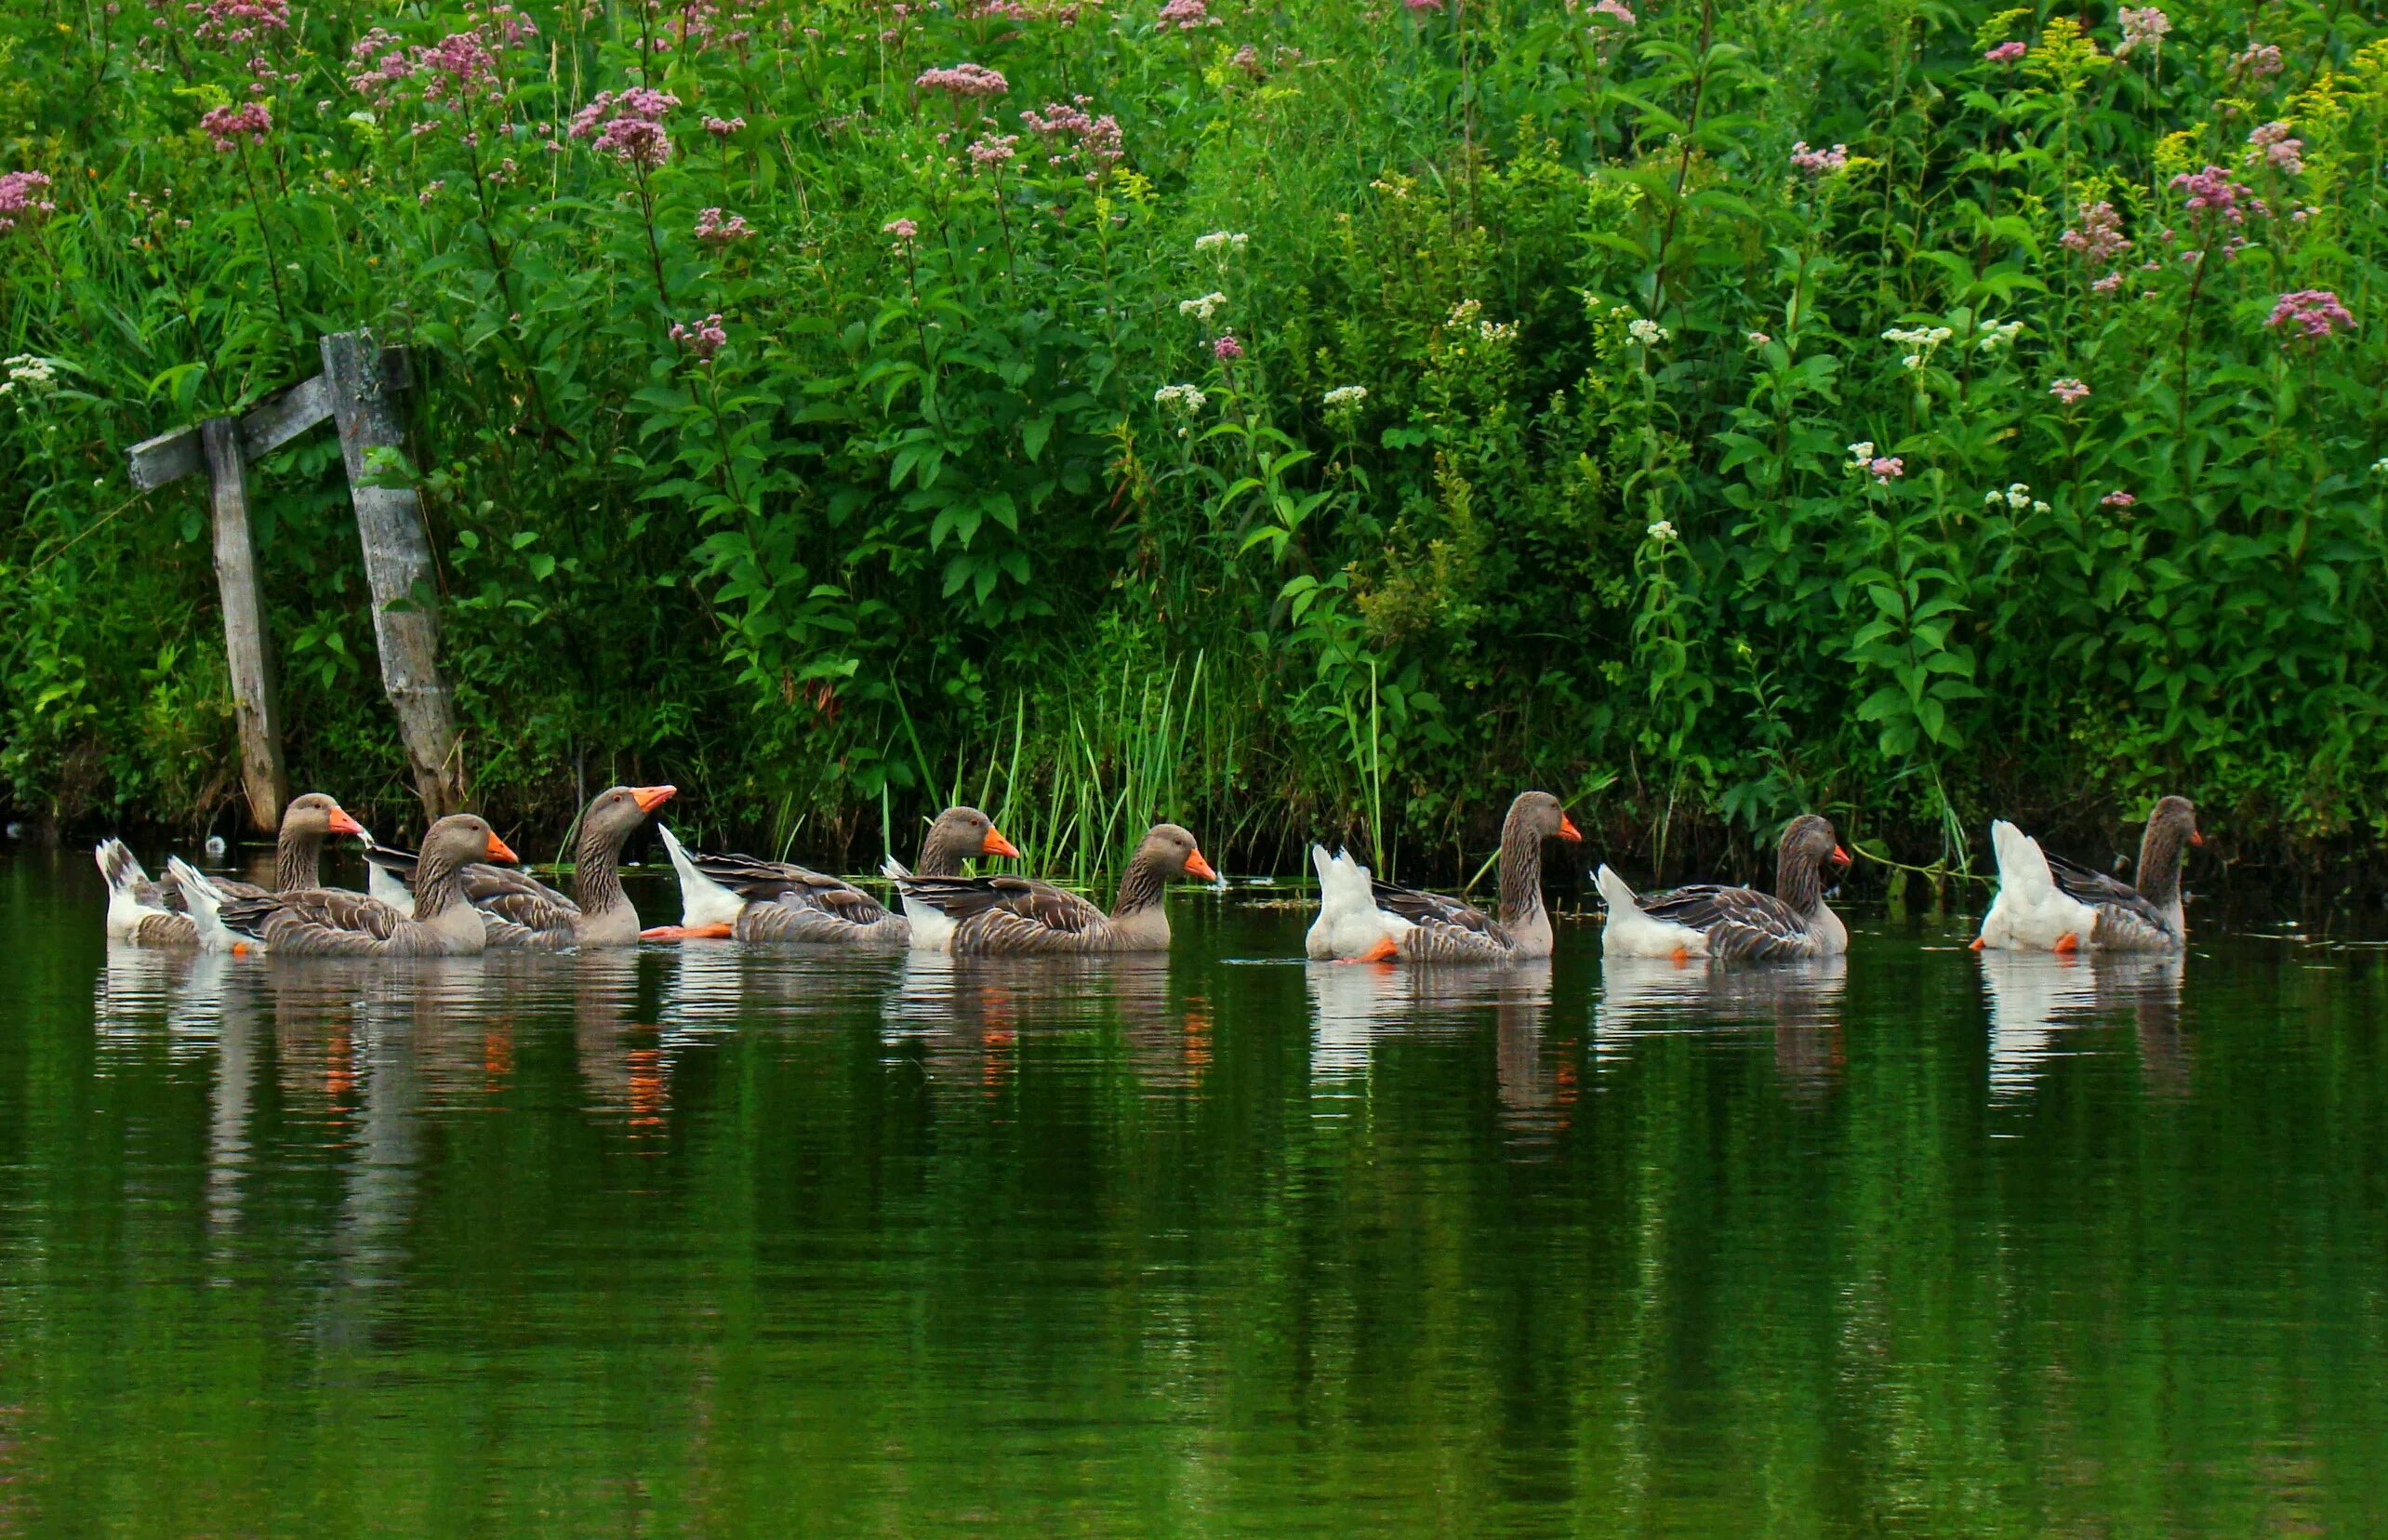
x=1022, y=430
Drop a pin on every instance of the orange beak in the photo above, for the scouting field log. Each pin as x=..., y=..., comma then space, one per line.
x=995, y=844
x=649, y=798
x=1841, y=856
x=500, y=851
x=2196, y=838
x=342, y=824
x=1567, y=829
x=1197, y=867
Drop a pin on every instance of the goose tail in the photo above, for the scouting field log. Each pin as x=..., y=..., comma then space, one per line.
x=206, y=902
x=2021, y=865
x=1616, y=895
x=703, y=902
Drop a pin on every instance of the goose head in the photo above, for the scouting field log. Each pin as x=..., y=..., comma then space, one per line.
x=316, y=816
x=1171, y=850
x=1538, y=813
x=965, y=831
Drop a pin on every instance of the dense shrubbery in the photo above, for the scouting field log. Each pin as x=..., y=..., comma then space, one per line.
x=1268, y=415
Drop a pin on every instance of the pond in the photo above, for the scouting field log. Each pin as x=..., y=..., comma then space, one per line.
x=706, y=1240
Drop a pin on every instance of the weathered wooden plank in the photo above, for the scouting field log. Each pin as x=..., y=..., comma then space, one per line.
x=266, y=427
x=169, y=457
x=276, y=420
x=263, y=777
x=397, y=568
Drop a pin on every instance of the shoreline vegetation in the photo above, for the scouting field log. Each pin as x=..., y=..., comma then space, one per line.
x=1306, y=423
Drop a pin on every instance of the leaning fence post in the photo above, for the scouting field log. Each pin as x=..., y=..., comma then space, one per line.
x=263, y=779
x=397, y=568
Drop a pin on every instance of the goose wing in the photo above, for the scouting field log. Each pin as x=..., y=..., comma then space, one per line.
x=2119, y=902
x=1008, y=898
x=753, y=879
x=1738, y=922
x=1433, y=909
x=518, y=898
x=832, y=895
x=330, y=911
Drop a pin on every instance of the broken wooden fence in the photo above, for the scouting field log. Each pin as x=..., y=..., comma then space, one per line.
x=357, y=392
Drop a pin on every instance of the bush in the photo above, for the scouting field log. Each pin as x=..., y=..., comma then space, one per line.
x=1911, y=412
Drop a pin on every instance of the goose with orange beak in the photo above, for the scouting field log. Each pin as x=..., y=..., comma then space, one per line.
x=758, y=900
x=1023, y=917
x=157, y=914
x=1363, y=921
x=1707, y=920
x=328, y=923
x=2046, y=903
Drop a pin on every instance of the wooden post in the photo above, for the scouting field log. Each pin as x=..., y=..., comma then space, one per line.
x=397, y=568
x=263, y=777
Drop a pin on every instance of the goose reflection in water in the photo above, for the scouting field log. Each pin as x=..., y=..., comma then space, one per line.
x=963, y=1019
x=1353, y=1006
x=1799, y=1004
x=2038, y=1001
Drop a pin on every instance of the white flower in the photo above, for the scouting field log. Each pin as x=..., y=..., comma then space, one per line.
x=2000, y=333
x=1993, y=497
x=1185, y=399
x=2380, y=465
x=2038, y=507
x=1465, y=312
x=1220, y=243
x=1662, y=531
x=1346, y=398
x=1497, y=331
x=1646, y=332
x=1203, y=309
x=1862, y=450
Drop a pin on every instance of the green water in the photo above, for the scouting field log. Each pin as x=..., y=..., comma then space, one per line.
x=710, y=1243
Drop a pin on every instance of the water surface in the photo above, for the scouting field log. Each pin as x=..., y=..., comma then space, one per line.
x=707, y=1241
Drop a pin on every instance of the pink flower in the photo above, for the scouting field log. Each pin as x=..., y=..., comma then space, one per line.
x=2287, y=155
x=1758, y=339
x=992, y=150
x=703, y=339
x=964, y=81
x=1187, y=15
x=1226, y=348
x=715, y=228
x=2107, y=284
x=634, y=133
x=1886, y=469
x=2117, y=498
x=1615, y=10
x=722, y=128
x=2146, y=25
x=2310, y=315
x=2069, y=391
x=2007, y=53
x=232, y=22
x=2100, y=239
x=430, y=189
x=1422, y=5
x=1818, y=163
x=903, y=229
x=20, y=197
x=2260, y=61
x=226, y=125
x=1094, y=141
x=2214, y=198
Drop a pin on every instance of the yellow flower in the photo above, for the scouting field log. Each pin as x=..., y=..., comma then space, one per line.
x=2177, y=152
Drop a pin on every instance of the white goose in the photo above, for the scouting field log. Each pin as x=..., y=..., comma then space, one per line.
x=2046, y=903
x=1364, y=920
x=1736, y=923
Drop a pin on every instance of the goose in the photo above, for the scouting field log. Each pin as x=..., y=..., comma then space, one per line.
x=1361, y=921
x=1020, y=916
x=758, y=900
x=149, y=913
x=1736, y=923
x=521, y=911
x=327, y=923
x=2047, y=904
